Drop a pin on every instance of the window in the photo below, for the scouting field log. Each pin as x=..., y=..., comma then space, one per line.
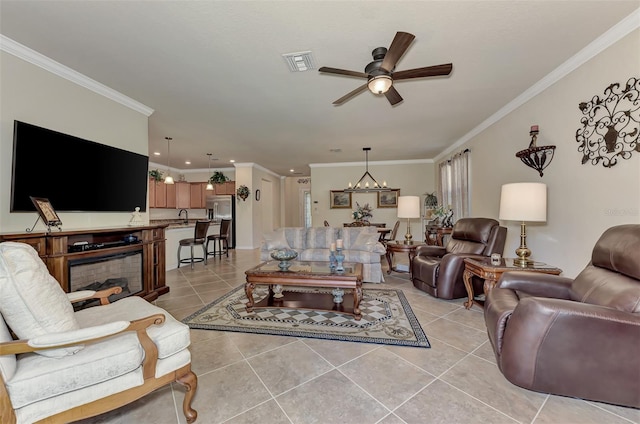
x=453, y=184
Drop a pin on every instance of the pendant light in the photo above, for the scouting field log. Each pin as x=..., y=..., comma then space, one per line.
x=209, y=185
x=168, y=179
x=363, y=186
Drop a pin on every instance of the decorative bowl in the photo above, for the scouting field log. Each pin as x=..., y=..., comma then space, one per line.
x=284, y=256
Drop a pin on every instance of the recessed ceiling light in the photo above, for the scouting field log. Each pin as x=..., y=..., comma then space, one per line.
x=291, y=170
x=232, y=161
x=187, y=162
x=156, y=153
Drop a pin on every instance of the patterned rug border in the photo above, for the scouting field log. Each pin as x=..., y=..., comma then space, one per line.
x=421, y=338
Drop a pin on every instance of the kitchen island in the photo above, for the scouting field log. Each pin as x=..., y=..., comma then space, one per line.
x=176, y=230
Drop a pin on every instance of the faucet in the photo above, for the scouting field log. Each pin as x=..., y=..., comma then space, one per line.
x=186, y=215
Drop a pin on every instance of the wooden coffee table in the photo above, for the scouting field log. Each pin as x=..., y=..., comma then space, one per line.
x=307, y=274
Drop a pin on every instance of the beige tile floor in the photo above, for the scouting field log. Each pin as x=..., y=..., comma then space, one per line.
x=244, y=378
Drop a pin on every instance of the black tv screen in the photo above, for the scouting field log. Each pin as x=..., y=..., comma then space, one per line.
x=74, y=174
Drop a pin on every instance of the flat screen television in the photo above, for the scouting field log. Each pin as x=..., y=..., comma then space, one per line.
x=76, y=175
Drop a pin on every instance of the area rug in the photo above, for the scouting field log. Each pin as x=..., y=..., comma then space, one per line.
x=387, y=318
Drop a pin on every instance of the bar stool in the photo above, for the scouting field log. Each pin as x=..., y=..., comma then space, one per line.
x=199, y=238
x=220, y=239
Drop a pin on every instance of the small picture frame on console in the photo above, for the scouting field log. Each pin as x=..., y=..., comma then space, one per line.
x=46, y=211
x=340, y=199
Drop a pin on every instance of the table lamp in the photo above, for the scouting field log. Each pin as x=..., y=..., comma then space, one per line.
x=408, y=207
x=523, y=202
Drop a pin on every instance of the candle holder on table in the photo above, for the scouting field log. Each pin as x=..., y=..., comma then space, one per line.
x=339, y=260
x=332, y=260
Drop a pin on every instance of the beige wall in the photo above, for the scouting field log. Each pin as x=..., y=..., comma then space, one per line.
x=294, y=200
x=250, y=213
x=583, y=200
x=414, y=178
x=34, y=95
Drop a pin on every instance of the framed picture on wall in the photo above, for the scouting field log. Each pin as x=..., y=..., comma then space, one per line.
x=340, y=199
x=388, y=199
x=46, y=211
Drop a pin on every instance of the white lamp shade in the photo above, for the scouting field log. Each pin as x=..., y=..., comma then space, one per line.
x=168, y=179
x=524, y=202
x=380, y=84
x=409, y=207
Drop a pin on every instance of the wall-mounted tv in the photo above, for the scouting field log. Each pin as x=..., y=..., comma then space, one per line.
x=74, y=174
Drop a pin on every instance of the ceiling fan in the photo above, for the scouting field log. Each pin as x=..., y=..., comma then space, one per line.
x=380, y=73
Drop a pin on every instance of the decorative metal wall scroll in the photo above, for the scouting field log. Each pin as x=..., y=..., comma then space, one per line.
x=536, y=157
x=304, y=180
x=611, y=125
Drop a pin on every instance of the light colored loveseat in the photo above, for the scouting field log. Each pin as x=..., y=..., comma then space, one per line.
x=312, y=244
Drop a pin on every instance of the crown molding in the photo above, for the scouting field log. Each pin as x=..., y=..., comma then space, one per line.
x=607, y=39
x=255, y=165
x=381, y=162
x=25, y=53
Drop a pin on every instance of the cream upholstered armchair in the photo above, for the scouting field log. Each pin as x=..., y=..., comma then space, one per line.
x=61, y=366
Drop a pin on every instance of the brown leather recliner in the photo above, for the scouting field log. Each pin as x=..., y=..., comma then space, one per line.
x=438, y=270
x=574, y=337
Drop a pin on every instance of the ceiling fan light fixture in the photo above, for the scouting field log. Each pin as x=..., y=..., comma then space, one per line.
x=380, y=84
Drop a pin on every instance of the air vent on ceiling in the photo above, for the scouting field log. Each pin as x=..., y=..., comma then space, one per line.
x=299, y=62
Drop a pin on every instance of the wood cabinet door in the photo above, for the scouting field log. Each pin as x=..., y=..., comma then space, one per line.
x=183, y=195
x=171, y=196
x=161, y=194
x=152, y=193
x=197, y=197
x=230, y=187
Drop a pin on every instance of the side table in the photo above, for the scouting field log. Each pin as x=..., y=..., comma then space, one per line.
x=399, y=247
x=483, y=268
x=434, y=235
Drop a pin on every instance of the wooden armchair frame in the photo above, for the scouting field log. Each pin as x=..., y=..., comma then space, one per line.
x=183, y=375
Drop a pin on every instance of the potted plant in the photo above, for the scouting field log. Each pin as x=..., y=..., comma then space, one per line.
x=362, y=213
x=155, y=175
x=243, y=192
x=218, y=178
x=430, y=204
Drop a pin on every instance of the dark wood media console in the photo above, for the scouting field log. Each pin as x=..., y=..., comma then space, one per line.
x=58, y=248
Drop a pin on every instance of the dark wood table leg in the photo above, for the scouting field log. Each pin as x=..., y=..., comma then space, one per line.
x=468, y=284
x=389, y=260
x=248, y=289
x=357, y=296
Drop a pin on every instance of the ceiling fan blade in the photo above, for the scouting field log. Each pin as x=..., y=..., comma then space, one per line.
x=399, y=45
x=351, y=94
x=393, y=96
x=343, y=72
x=429, y=71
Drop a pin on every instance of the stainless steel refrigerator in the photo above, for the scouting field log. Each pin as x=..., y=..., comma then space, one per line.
x=221, y=207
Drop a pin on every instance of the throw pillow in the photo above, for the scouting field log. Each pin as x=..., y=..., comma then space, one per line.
x=276, y=240
x=368, y=242
x=32, y=302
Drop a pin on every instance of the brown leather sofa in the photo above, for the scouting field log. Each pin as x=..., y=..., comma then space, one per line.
x=574, y=337
x=438, y=270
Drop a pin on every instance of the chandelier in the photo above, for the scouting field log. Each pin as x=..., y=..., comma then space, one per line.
x=367, y=183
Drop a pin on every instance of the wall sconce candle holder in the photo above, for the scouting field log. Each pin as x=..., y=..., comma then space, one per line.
x=536, y=157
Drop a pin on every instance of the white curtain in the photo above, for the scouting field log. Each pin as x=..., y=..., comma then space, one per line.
x=453, y=184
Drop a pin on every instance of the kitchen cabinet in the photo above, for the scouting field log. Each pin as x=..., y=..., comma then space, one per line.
x=228, y=187
x=157, y=194
x=198, y=195
x=171, y=196
x=183, y=195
